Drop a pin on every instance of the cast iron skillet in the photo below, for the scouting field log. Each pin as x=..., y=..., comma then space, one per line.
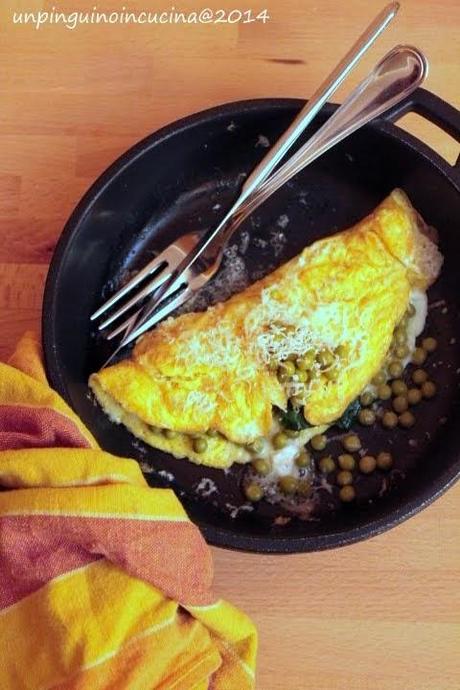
x=181, y=178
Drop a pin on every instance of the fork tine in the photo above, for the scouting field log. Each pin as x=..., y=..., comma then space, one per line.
x=126, y=324
x=151, y=266
x=184, y=290
x=123, y=326
x=129, y=326
x=158, y=315
x=150, y=287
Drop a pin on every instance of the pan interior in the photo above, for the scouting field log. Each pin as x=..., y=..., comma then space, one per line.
x=184, y=181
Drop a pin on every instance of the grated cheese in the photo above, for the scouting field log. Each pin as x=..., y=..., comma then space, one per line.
x=206, y=487
x=226, y=351
x=201, y=400
x=283, y=221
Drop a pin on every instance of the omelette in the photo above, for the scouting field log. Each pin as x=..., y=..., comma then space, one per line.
x=299, y=345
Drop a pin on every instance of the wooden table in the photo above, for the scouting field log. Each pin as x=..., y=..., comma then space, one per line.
x=382, y=614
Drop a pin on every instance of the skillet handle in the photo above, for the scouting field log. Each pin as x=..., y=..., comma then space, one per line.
x=434, y=109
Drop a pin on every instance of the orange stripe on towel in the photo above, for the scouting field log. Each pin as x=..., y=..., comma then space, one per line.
x=37, y=548
x=37, y=427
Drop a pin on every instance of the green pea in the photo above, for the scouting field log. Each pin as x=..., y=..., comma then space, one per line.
x=325, y=358
x=398, y=387
x=253, y=492
x=384, y=460
x=400, y=336
x=332, y=373
x=323, y=380
x=302, y=376
x=419, y=356
x=414, y=396
x=351, y=443
x=419, y=376
x=366, y=398
x=400, y=404
x=200, y=445
x=170, y=433
x=379, y=379
x=287, y=484
x=347, y=493
x=318, y=442
x=280, y=440
x=286, y=368
x=389, y=420
x=406, y=420
x=429, y=344
x=346, y=462
x=366, y=417
x=395, y=369
x=302, y=364
x=261, y=466
x=341, y=351
x=428, y=389
x=367, y=464
x=258, y=445
x=308, y=359
x=327, y=464
x=401, y=351
x=344, y=477
x=303, y=459
x=384, y=392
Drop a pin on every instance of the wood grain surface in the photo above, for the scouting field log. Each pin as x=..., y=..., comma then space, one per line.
x=380, y=615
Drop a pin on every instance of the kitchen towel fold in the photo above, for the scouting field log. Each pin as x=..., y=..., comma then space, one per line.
x=104, y=582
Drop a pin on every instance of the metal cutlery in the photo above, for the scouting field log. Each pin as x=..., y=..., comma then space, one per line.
x=174, y=255
x=188, y=263
x=401, y=71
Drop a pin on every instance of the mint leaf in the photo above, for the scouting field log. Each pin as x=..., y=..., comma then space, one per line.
x=293, y=419
x=349, y=416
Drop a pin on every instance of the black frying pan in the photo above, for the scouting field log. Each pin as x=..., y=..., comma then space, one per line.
x=181, y=178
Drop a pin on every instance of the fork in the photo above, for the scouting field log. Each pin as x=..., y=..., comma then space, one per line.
x=399, y=73
x=183, y=248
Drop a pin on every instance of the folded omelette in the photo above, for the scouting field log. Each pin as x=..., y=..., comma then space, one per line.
x=307, y=338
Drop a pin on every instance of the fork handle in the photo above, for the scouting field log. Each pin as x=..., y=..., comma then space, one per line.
x=232, y=219
x=395, y=77
x=316, y=102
